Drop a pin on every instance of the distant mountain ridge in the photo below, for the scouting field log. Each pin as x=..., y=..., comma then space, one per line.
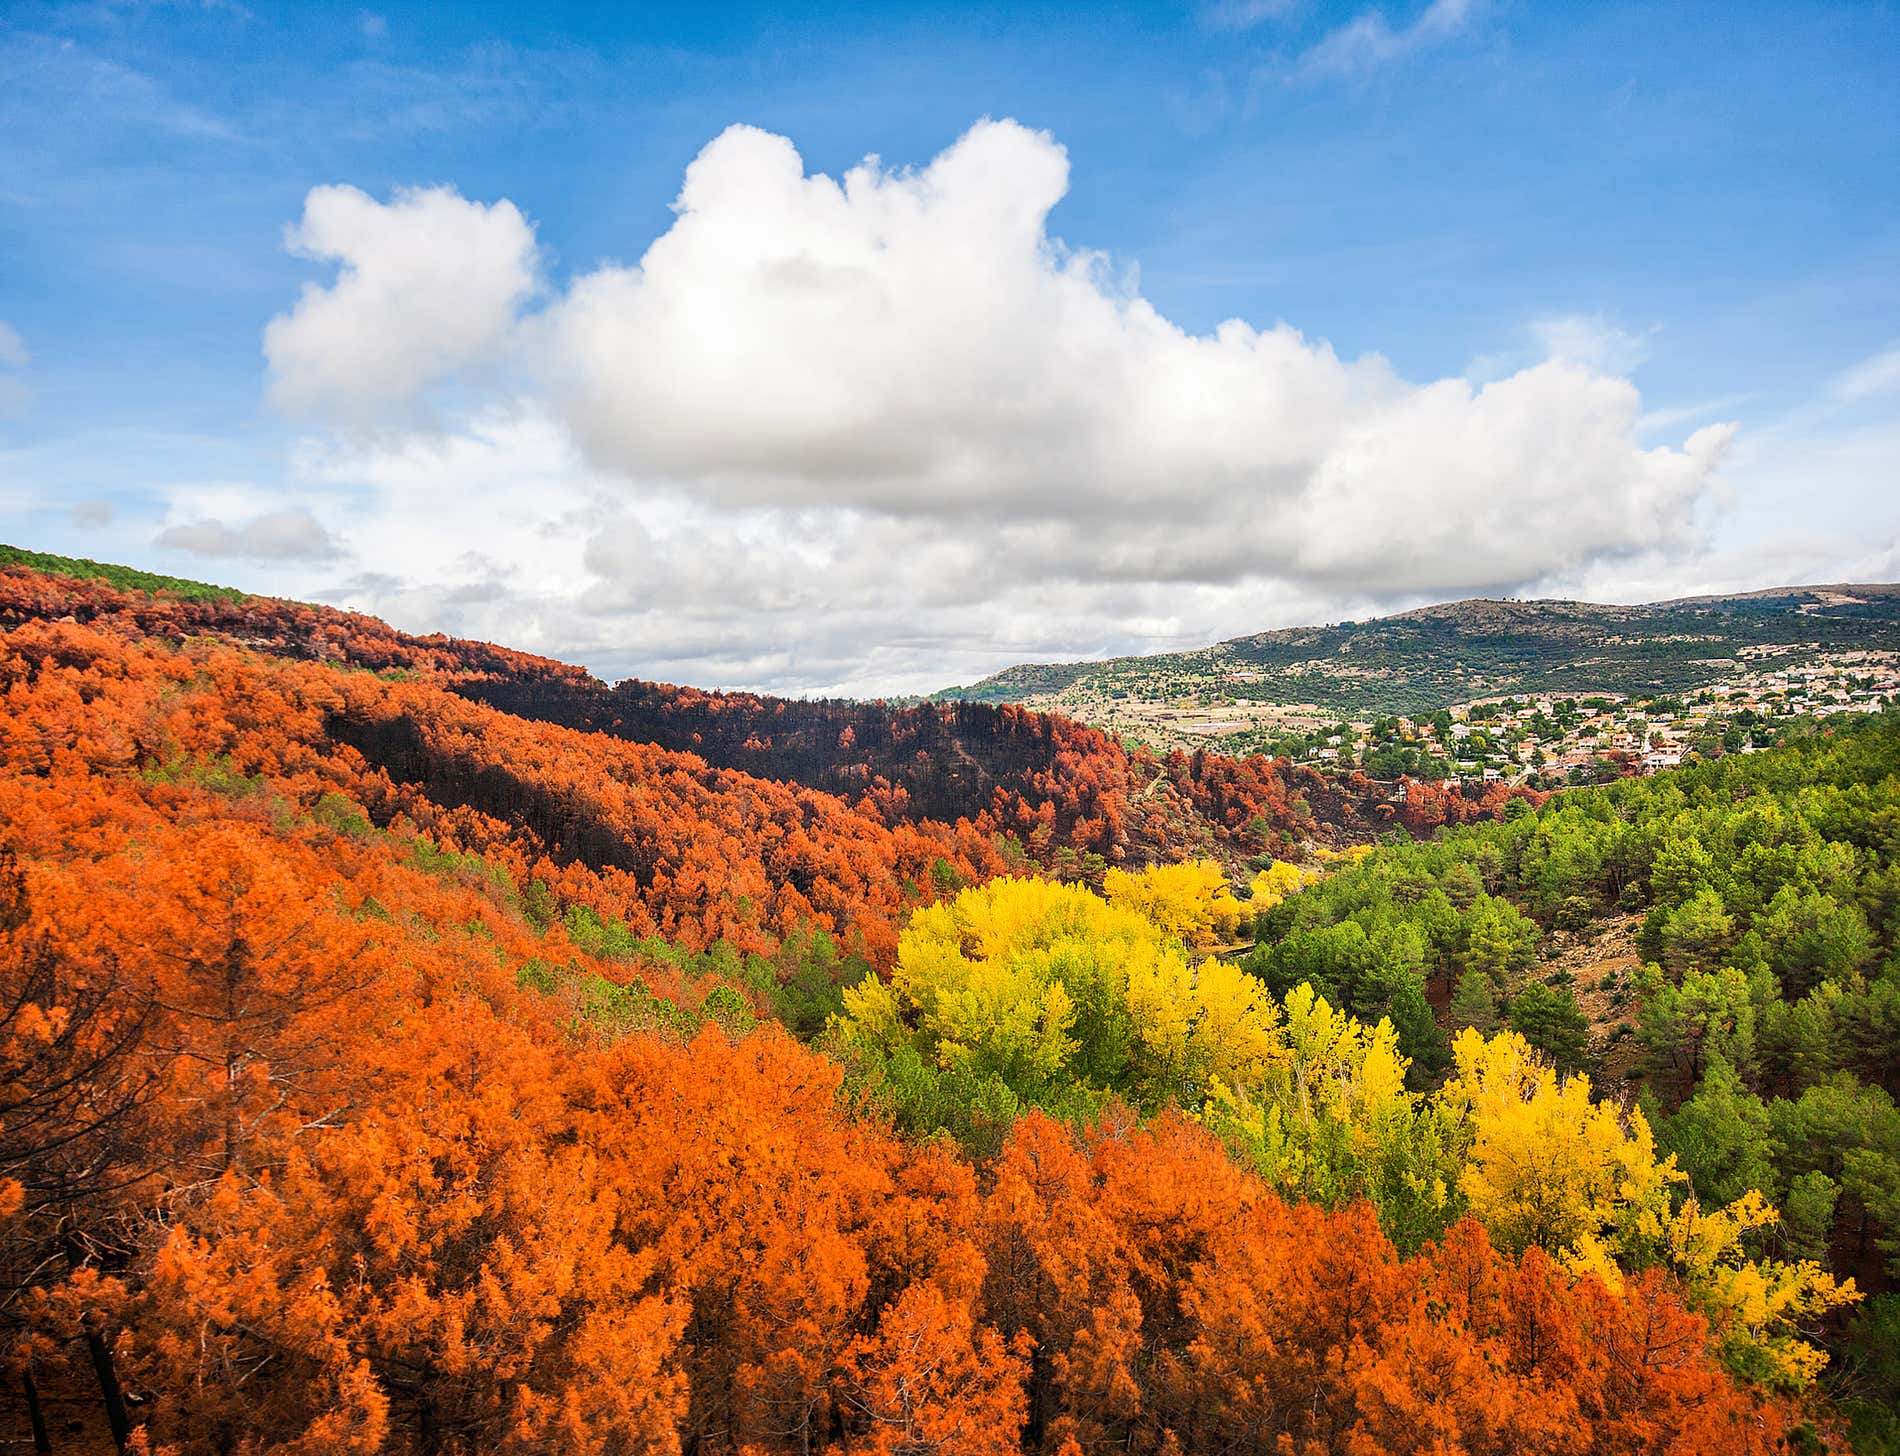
x=1449, y=652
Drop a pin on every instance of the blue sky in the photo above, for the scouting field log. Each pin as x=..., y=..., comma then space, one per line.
x=1700, y=203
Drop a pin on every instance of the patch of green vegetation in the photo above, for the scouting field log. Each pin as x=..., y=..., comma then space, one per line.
x=338, y=814
x=470, y=868
x=216, y=774
x=803, y=981
x=126, y=578
x=1766, y=1018
x=618, y=1008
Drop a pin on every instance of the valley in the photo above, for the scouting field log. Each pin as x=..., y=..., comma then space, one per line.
x=367, y=987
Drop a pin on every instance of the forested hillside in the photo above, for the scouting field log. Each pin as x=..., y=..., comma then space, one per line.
x=1070, y=794
x=390, y=1065
x=1760, y=1032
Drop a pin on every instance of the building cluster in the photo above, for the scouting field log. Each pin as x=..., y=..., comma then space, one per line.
x=1549, y=740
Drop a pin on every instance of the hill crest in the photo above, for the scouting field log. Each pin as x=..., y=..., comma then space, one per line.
x=1444, y=653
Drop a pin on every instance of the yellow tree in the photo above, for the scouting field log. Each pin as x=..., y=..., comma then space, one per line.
x=1050, y=990
x=991, y=980
x=1756, y=1306
x=1547, y=1167
x=1197, y=1027
x=1278, y=880
x=1329, y=1119
x=1189, y=901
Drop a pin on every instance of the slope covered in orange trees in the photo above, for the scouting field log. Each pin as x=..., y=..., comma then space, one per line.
x=346, y=1105
x=1076, y=798
x=654, y=839
x=370, y=1196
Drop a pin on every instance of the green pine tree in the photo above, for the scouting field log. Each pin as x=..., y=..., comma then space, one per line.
x=1550, y=1020
x=1473, y=1003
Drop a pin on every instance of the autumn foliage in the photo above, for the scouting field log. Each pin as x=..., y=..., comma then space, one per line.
x=347, y=1106
x=1074, y=798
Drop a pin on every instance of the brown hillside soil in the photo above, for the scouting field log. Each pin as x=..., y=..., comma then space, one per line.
x=1603, y=964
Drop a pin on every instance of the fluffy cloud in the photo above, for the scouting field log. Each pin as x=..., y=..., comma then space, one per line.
x=429, y=283
x=883, y=431
x=500, y=529
x=914, y=344
x=287, y=535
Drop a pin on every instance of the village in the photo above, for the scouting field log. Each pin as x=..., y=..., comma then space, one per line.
x=1551, y=741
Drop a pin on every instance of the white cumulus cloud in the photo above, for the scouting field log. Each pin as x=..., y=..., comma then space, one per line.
x=916, y=344
x=884, y=430
x=428, y=282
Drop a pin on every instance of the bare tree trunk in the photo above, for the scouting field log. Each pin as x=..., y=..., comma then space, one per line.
x=428, y=1427
x=42, y=1443
x=108, y=1375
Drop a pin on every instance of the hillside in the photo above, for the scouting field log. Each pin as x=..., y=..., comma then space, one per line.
x=386, y=1071
x=1434, y=657
x=1068, y=794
